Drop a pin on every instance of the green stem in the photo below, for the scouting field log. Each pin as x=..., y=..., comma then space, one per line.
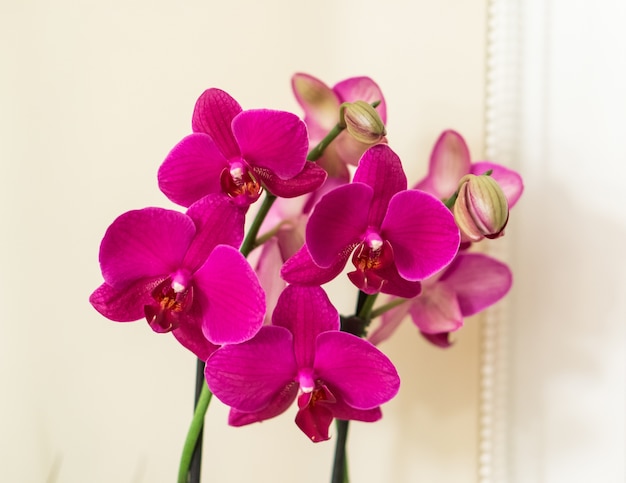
x=249, y=242
x=340, y=466
x=194, y=432
x=317, y=151
x=365, y=310
x=385, y=308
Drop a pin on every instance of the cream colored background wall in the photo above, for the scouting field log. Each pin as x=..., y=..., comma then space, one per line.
x=568, y=326
x=92, y=97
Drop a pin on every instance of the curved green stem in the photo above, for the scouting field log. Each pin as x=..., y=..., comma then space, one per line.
x=194, y=431
x=249, y=242
x=317, y=151
x=387, y=307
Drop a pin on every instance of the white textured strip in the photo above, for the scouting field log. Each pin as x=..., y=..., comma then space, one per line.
x=501, y=142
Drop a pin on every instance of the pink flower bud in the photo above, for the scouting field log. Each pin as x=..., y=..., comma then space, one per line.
x=481, y=208
x=363, y=122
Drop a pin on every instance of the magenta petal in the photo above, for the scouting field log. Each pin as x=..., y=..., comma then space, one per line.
x=301, y=269
x=449, y=162
x=398, y=286
x=250, y=375
x=478, y=280
x=338, y=222
x=232, y=299
x=362, y=89
x=436, y=310
x=363, y=374
x=305, y=312
x=213, y=115
x=144, y=244
x=510, y=181
x=218, y=222
x=308, y=180
x=125, y=304
x=268, y=272
x=422, y=232
x=342, y=411
x=189, y=334
x=274, y=140
x=441, y=340
x=314, y=419
x=191, y=170
x=278, y=405
x=381, y=169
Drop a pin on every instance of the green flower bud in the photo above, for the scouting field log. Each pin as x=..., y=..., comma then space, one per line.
x=481, y=209
x=362, y=121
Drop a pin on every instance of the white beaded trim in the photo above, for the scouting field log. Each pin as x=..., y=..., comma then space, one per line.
x=501, y=132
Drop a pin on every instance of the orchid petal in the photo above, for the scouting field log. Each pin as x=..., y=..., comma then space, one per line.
x=267, y=269
x=510, y=181
x=275, y=140
x=126, y=304
x=449, y=162
x=398, y=286
x=308, y=180
x=362, y=89
x=231, y=297
x=381, y=169
x=342, y=411
x=349, y=150
x=250, y=375
x=320, y=104
x=278, y=405
x=208, y=213
x=365, y=377
x=301, y=269
x=191, y=170
x=305, y=312
x=436, y=310
x=189, y=335
x=441, y=340
x=338, y=222
x=314, y=419
x=422, y=232
x=213, y=115
x=144, y=243
x=478, y=280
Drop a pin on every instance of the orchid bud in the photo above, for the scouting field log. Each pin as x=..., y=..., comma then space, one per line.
x=481, y=208
x=362, y=121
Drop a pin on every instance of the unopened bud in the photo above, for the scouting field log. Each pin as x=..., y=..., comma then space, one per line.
x=481, y=208
x=362, y=122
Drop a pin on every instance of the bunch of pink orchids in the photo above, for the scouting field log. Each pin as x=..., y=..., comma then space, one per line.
x=251, y=305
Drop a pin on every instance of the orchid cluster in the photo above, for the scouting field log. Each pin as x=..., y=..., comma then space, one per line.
x=321, y=193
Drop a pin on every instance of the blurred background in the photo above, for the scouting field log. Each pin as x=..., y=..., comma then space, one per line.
x=94, y=95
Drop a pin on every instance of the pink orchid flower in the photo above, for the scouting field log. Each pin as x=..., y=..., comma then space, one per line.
x=336, y=374
x=396, y=236
x=182, y=274
x=321, y=108
x=450, y=160
x=239, y=152
x=470, y=284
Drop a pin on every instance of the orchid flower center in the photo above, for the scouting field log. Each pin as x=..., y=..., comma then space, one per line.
x=373, y=253
x=239, y=182
x=370, y=257
x=317, y=394
x=172, y=298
